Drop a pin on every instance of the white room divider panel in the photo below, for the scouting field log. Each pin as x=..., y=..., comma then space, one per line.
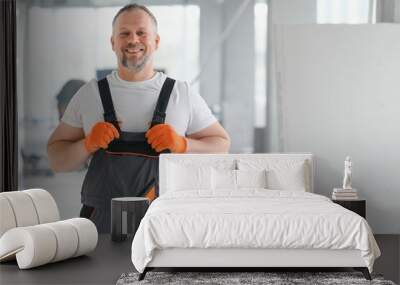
x=340, y=95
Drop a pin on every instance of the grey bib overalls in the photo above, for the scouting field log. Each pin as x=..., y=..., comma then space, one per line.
x=128, y=167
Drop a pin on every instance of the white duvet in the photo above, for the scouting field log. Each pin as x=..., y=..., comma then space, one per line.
x=251, y=218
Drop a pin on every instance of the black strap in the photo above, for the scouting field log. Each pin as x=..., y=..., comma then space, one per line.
x=162, y=102
x=106, y=100
x=159, y=112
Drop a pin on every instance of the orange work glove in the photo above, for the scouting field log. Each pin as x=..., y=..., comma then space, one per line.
x=100, y=136
x=151, y=194
x=163, y=136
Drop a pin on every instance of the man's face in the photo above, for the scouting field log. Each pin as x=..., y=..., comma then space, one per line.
x=134, y=39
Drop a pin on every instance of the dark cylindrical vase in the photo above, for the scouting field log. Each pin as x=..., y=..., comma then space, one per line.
x=126, y=214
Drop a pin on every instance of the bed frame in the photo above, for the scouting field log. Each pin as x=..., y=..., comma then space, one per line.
x=234, y=259
x=245, y=259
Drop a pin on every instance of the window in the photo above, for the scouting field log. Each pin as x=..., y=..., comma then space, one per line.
x=179, y=29
x=345, y=11
x=260, y=86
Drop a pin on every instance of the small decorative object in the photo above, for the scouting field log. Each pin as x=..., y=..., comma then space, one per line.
x=347, y=192
x=347, y=174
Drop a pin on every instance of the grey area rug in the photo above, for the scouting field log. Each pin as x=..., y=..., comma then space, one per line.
x=273, y=278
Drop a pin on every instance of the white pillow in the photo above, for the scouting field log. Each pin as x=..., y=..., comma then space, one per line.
x=281, y=174
x=183, y=177
x=229, y=179
x=223, y=179
x=251, y=178
x=288, y=178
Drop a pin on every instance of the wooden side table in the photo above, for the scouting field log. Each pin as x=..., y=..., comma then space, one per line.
x=126, y=214
x=357, y=206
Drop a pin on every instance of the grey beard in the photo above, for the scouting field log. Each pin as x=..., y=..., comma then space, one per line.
x=135, y=66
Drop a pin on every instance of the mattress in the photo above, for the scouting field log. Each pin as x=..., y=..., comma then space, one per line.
x=251, y=219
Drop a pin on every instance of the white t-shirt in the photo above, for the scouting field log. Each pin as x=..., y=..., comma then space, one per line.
x=134, y=104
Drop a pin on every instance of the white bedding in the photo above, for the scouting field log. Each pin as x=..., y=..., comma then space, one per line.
x=251, y=218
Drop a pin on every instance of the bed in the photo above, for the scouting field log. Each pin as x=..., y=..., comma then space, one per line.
x=247, y=211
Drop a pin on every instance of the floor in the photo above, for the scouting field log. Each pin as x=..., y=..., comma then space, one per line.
x=104, y=265
x=110, y=260
x=389, y=262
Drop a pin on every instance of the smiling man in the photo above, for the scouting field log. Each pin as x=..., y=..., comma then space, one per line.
x=124, y=121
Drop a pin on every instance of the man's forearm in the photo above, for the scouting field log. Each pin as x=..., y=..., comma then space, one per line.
x=213, y=144
x=67, y=156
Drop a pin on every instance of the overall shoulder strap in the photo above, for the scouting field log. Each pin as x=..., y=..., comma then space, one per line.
x=106, y=100
x=162, y=102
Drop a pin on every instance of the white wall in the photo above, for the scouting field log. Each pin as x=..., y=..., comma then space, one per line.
x=55, y=52
x=281, y=12
x=210, y=58
x=397, y=15
x=228, y=77
x=340, y=96
x=388, y=11
x=238, y=70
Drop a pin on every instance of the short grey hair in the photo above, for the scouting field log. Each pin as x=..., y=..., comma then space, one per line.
x=135, y=6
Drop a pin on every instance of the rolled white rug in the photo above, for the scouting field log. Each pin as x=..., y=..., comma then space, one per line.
x=40, y=244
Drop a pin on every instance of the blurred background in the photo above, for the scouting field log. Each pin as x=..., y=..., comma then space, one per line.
x=236, y=54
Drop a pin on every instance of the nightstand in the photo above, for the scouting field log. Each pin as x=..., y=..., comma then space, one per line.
x=357, y=206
